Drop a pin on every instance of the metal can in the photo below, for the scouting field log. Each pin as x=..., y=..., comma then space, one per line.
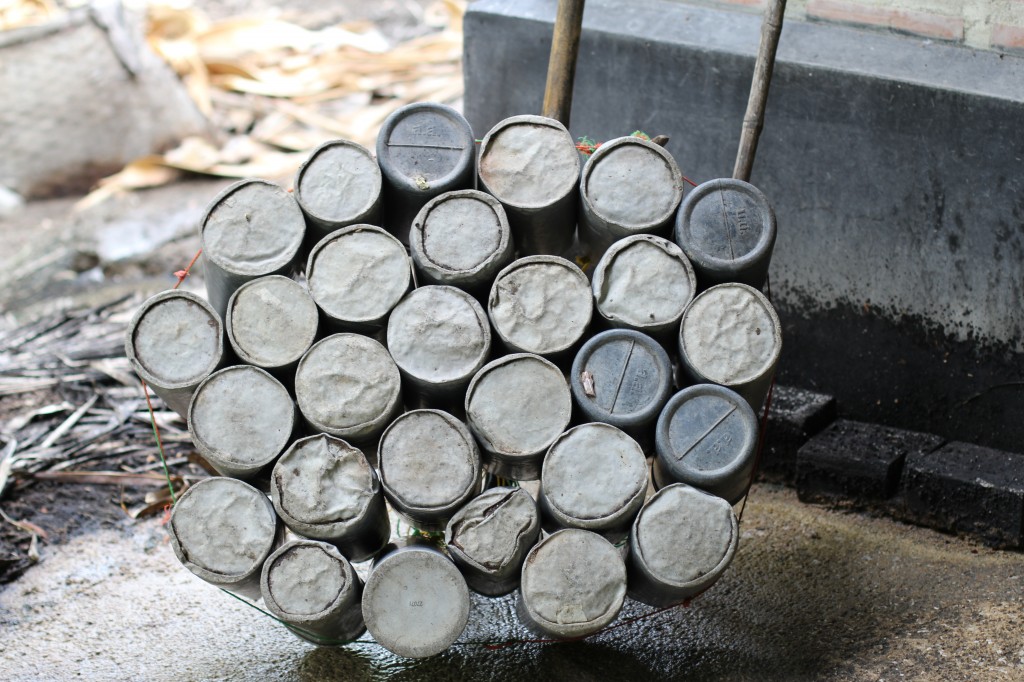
x=730, y=335
x=439, y=337
x=573, y=584
x=707, y=437
x=516, y=407
x=240, y=420
x=629, y=186
x=530, y=163
x=271, y=322
x=314, y=591
x=415, y=603
x=337, y=186
x=429, y=466
x=173, y=342
x=252, y=229
x=489, y=537
x=541, y=305
x=680, y=545
x=726, y=228
x=348, y=386
x=222, y=530
x=325, y=489
x=461, y=239
x=644, y=282
x=424, y=149
x=594, y=478
x=623, y=378
x=357, y=275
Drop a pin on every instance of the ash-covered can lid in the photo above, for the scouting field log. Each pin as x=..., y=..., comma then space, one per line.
x=643, y=281
x=621, y=377
x=439, y=335
x=730, y=334
x=458, y=234
x=416, y=603
x=495, y=529
x=428, y=460
x=271, y=321
x=346, y=384
x=633, y=183
x=725, y=221
x=706, y=436
x=423, y=144
x=518, y=404
x=683, y=535
x=529, y=161
x=241, y=418
x=253, y=227
x=322, y=480
x=223, y=526
x=338, y=183
x=573, y=583
x=174, y=339
x=358, y=273
x=305, y=578
x=593, y=472
x=541, y=304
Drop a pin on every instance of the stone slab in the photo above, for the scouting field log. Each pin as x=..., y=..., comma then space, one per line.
x=796, y=414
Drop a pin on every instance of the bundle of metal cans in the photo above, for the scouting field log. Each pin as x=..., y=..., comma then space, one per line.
x=387, y=341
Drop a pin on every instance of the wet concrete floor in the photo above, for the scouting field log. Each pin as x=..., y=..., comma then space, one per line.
x=812, y=595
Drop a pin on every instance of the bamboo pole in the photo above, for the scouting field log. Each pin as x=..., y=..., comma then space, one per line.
x=565, y=47
x=753, y=120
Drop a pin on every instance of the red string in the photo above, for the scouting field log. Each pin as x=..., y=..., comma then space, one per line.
x=182, y=274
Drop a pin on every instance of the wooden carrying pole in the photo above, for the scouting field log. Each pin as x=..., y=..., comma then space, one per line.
x=565, y=46
x=753, y=120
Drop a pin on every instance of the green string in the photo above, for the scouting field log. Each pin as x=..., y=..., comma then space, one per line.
x=159, y=443
x=319, y=639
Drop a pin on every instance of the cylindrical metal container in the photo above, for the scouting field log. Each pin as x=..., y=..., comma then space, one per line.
x=271, y=322
x=357, y=275
x=439, y=337
x=337, y=186
x=325, y=489
x=489, y=537
x=252, y=229
x=424, y=149
x=223, y=530
x=644, y=282
x=530, y=163
x=707, y=437
x=429, y=466
x=623, y=378
x=540, y=305
x=629, y=186
x=415, y=603
x=517, y=406
x=461, y=239
x=573, y=584
x=594, y=478
x=174, y=341
x=347, y=385
x=315, y=592
x=727, y=229
x=680, y=545
x=240, y=420
x=730, y=335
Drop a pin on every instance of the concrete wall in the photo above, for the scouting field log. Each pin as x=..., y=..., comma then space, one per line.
x=985, y=24
x=895, y=164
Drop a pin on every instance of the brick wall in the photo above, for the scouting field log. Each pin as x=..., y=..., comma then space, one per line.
x=987, y=24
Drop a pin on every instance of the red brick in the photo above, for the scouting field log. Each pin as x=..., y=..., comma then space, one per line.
x=920, y=23
x=1004, y=35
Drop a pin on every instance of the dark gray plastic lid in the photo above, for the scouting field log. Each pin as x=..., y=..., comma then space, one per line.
x=630, y=378
x=727, y=229
x=425, y=146
x=706, y=437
